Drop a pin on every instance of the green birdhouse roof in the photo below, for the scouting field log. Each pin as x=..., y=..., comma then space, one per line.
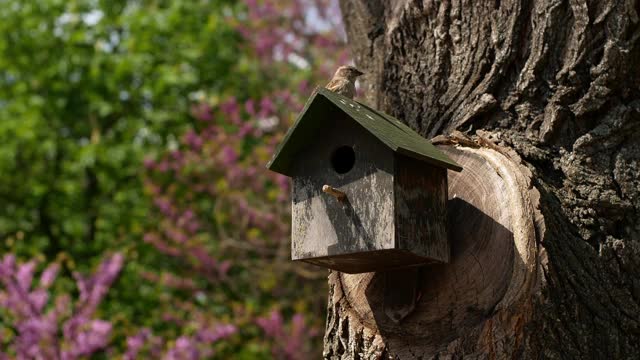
x=392, y=132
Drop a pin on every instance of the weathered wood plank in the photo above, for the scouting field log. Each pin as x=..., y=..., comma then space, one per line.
x=420, y=192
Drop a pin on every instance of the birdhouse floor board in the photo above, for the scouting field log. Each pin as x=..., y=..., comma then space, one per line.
x=362, y=262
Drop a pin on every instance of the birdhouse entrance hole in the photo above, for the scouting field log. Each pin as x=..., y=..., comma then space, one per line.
x=343, y=159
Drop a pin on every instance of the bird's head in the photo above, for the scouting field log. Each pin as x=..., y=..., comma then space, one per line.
x=348, y=72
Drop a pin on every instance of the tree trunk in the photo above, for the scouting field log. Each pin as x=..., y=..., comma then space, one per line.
x=540, y=102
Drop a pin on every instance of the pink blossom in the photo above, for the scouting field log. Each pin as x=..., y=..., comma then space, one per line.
x=148, y=237
x=37, y=338
x=183, y=349
x=224, y=267
x=136, y=343
x=211, y=335
x=245, y=129
x=187, y=215
x=49, y=275
x=93, y=289
x=7, y=264
x=250, y=107
x=234, y=175
x=177, y=155
x=192, y=227
x=148, y=163
x=88, y=338
x=24, y=276
x=193, y=140
x=303, y=86
x=229, y=156
x=39, y=298
x=230, y=108
x=164, y=206
x=163, y=166
x=202, y=112
x=272, y=325
x=289, y=343
x=296, y=335
x=37, y=330
x=283, y=183
x=267, y=107
x=176, y=235
x=161, y=245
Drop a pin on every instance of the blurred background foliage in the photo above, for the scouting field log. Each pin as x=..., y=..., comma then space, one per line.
x=142, y=128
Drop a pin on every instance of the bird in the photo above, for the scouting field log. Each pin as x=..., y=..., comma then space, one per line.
x=344, y=81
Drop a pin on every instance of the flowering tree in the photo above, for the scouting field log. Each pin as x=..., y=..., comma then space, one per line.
x=59, y=328
x=288, y=343
x=197, y=346
x=224, y=218
x=87, y=89
x=63, y=330
x=205, y=90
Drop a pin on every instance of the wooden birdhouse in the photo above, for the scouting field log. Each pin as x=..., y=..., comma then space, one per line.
x=369, y=193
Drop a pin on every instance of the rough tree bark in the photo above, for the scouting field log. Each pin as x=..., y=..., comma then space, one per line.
x=540, y=101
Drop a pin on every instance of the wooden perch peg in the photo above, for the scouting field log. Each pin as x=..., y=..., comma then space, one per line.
x=339, y=195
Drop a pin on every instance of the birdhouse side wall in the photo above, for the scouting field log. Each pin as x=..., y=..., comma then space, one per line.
x=322, y=226
x=420, y=193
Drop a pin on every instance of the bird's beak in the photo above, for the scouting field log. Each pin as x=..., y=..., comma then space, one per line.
x=359, y=73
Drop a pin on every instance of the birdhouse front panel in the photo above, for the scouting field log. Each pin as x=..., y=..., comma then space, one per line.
x=334, y=233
